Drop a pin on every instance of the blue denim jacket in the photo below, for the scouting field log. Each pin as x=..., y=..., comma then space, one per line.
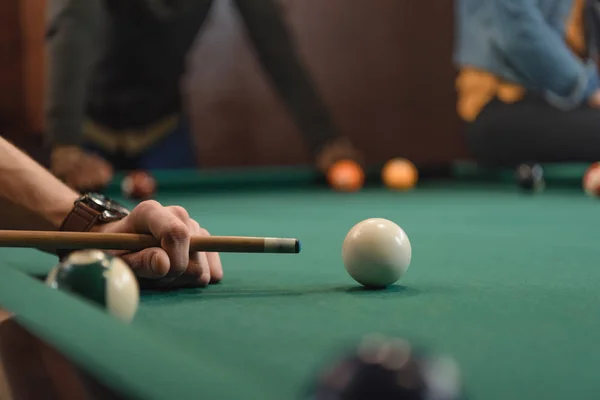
x=523, y=41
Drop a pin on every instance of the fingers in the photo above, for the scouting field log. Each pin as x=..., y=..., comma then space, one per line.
x=151, y=266
x=80, y=170
x=198, y=266
x=215, y=265
x=92, y=172
x=152, y=263
x=206, y=266
x=172, y=263
x=174, y=235
x=104, y=171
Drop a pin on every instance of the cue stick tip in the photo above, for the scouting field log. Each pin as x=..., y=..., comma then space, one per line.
x=282, y=245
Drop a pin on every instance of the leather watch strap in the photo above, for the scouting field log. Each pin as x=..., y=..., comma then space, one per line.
x=81, y=219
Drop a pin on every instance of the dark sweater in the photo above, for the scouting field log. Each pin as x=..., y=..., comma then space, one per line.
x=116, y=62
x=120, y=63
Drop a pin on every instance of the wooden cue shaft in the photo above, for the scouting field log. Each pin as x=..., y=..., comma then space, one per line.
x=134, y=242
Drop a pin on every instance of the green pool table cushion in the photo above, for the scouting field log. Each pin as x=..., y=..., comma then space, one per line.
x=101, y=278
x=136, y=242
x=126, y=358
x=559, y=174
x=294, y=177
x=227, y=178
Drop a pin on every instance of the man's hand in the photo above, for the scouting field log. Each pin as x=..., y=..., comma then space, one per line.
x=80, y=170
x=594, y=100
x=171, y=265
x=336, y=150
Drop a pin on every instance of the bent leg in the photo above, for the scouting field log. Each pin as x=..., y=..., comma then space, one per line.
x=534, y=131
x=279, y=57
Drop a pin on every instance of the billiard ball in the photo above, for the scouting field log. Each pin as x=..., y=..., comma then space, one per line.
x=591, y=180
x=103, y=279
x=388, y=368
x=530, y=177
x=399, y=174
x=376, y=252
x=138, y=185
x=346, y=176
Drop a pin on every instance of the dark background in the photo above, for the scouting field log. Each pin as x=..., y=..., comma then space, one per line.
x=383, y=66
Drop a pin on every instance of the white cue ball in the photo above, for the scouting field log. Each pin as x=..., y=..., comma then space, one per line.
x=376, y=252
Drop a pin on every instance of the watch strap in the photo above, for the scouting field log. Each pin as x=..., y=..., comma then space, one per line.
x=82, y=218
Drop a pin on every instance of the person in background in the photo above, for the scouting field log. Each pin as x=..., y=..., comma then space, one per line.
x=528, y=84
x=114, y=98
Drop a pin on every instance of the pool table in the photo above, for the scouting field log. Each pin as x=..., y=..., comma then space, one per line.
x=506, y=283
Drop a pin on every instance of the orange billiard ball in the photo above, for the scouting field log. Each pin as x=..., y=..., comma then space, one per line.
x=591, y=180
x=138, y=185
x=399, y=174
x=346, y=176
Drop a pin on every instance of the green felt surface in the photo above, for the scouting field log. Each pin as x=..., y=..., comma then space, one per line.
x=504, y=282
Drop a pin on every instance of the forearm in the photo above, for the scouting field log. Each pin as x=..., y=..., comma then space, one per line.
x=72, y=42
x=30, y=197
x=539, y=53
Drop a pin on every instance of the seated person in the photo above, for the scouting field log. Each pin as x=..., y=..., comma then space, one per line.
x=528, y=84
x=114, y=85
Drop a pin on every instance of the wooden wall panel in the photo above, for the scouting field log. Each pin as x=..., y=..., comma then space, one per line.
x=33, y=28
x=384, y=67
x=21, y=74
x=11, y=71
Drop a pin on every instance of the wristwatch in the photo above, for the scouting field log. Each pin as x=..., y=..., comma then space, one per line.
x=89, y=210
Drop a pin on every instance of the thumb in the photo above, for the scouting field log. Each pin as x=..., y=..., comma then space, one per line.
x=150, y=263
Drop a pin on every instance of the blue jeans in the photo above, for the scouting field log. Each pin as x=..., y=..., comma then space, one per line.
x=174, y=151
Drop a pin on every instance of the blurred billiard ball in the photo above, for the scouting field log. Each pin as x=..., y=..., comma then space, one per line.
x=100, y=278
x=138, y=185
x=346, y=176
x=530, y=178
x=389, y=368
x=399, y=174
x=591, y=180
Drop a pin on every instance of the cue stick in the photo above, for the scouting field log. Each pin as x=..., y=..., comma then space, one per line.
x=136, y=242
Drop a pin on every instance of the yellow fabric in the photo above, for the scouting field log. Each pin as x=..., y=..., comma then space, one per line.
x=575, y=36
x=476, y=88
x=130, y=142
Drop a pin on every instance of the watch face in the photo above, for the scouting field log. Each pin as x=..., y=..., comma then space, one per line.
x=111, y=210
